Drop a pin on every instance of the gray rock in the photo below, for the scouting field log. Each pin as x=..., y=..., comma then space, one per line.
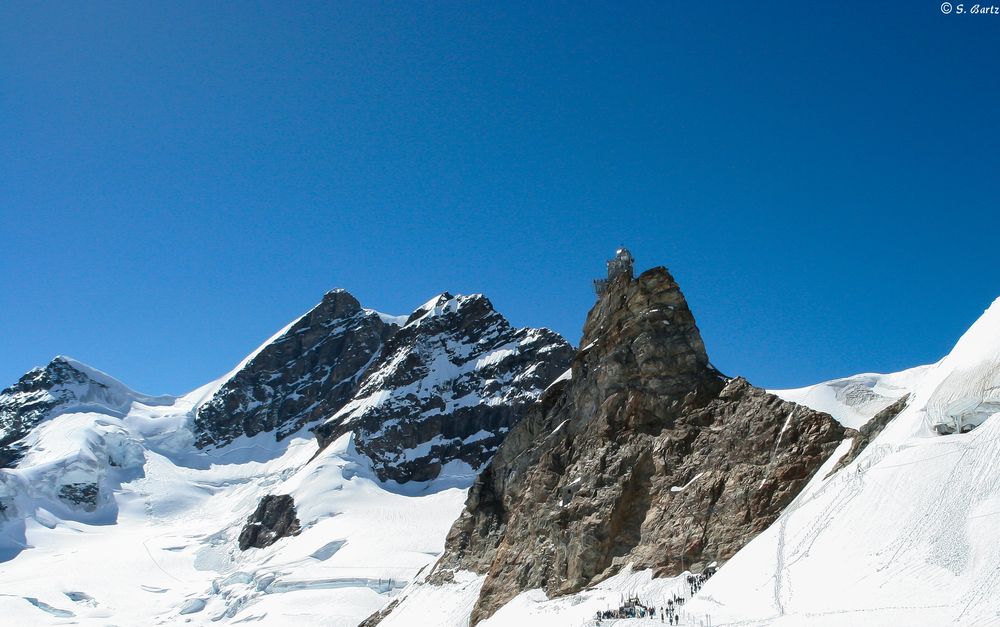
x=448, y=386
x=83, y=495
x=307, y=374
x=274, y=518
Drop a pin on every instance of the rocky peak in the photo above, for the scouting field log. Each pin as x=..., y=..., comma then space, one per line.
x=645, y=455
x=307, y=373
x=337, y=303
x=443, y=387
x=45, y=392
x=447, y=388
x=642, y=336
x=434, y=306
x=58, y=373
x=653, y=301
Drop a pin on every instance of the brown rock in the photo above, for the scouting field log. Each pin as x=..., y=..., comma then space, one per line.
x=648, y=456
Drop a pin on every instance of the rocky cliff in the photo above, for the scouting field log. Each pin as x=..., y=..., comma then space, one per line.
x=307, y=373
x=448, y=387
x=645, y=455
x=443, y=385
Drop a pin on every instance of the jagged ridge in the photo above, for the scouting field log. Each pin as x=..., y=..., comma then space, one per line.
x=447, y=387
x=306, y=374
x=647, y=455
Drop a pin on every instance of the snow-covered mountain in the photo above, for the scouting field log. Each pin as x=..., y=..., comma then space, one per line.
x=63, y=386
x=853, y=401
x=223, y=505
x=326, y=479
x=450, y=384
x=904, y=533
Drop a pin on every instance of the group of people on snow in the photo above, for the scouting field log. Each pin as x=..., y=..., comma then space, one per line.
x=669, y=613
x=695, y=582
x=633, y=608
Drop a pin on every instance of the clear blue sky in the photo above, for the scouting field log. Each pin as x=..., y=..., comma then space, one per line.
x=180, y=179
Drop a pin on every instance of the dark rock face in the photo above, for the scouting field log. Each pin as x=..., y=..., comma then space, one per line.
x=83, y=495
x=307, y=374
x=39, y=395
x=647, y=455
x=377, y=617
x=274, y=518
x=445, y=386
x=448, y=386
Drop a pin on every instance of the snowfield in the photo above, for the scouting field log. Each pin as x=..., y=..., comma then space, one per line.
x=159, y=546
x=852, y=401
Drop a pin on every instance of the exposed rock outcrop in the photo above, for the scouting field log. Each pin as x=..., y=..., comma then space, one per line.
x=646, y=455
x=869, y=431
x=448, y=387
x=83, y=495
x=306, y=374
x=274, y=518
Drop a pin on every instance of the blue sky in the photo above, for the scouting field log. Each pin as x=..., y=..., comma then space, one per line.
x=179, y=180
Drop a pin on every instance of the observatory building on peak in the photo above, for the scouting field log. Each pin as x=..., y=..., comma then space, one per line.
x=618, y=265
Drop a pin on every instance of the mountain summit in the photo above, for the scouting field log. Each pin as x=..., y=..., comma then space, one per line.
x=447, y=387
x=643, y=455
x=441, y=385
x=307, y=372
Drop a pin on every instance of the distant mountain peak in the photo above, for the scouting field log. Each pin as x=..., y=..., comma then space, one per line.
x=452, y=379
x=447, y=387
x=64, y=384
x=340, y=302
x=300, y=376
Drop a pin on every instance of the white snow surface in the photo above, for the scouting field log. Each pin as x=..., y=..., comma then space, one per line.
x=160, y=547
x=906, y=534
x=852, y=401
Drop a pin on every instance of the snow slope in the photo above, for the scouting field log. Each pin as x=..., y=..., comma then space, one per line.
x=113, y=517
x=852, y=401
x=906, y=534
x=164, y=544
